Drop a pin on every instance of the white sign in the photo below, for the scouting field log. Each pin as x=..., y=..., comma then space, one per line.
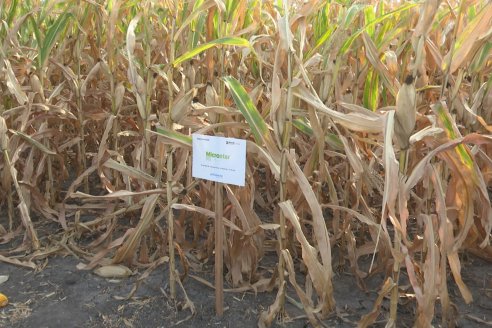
x=219, y=159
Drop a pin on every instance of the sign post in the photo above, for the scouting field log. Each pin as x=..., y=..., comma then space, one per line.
x=219, y=251
x=222, y=160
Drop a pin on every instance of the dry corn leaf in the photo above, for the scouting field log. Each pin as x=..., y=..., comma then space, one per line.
x=263, y=155
x=353, y=158
x=477, y=31
x=469, y=177
x=285, y=32
x=446, y=243
x=3, y=278
x=320, y=274
x=425, y=309
x=129, y=248
x=431, y=132
x=207, y=213
x=479, y=320
x=426, y=17
x=92, y=74
x=13, y=84
x=142, y=277
x=320, y=230
x=200, y=109
x=455, y=265
x=368, y=123
x=122, y=194
x=267, y=317
x=13, y=261
x=369, y=319
x=241, y=258
x=99, y=258
x=23, y=207
x=130, y=171
x=182, y=106
x=305, y=300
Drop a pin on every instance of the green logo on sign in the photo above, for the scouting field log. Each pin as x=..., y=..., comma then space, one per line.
x=209, y=155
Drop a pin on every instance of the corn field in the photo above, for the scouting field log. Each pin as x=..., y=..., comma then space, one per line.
x=368, y=128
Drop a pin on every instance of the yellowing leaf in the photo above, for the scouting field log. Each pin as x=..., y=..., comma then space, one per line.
x=231, y=41
x=476, y=31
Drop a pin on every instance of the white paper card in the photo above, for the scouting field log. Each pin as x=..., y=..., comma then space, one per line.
x=219, y=159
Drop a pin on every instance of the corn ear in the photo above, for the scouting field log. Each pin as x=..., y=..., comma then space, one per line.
x=3, y=300
x=118, y=96
x=36, y=86
x=211, y=99
x=113, y=271
x=3, y=134
x=406, y=113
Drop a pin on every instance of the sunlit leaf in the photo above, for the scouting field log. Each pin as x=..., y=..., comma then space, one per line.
x=230, y=41
x=174, y=137
x=351, y=39
x=256, y=122
x=52, y=35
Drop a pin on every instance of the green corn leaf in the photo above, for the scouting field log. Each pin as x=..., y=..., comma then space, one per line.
x=352, y=12
x=330, y=138
x=197, y=31
x=247, y=108
x=231, y=9
x=199, y=8
x=229, y=41
x=303, y=126
x=449, y=126
x=173, y=137
x=326, y=35
x=13, y=8
x=481, y=57
x=349, y=41
x=34, y=143
x=369, y=16
x=52, y=35
x=255, y=121
x=371, y=90
x=249, y=18
x=36, y=31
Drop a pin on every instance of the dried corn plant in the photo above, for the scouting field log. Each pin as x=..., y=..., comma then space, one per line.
x=367, y=128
